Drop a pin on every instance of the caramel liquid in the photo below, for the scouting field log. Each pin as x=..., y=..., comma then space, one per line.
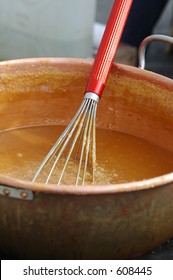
x=120, y=157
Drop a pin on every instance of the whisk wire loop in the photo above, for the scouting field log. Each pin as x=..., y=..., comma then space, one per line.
x=78, y=136
x=86, y=140
x=79, y=122
x=89, y=142
x=59, y=142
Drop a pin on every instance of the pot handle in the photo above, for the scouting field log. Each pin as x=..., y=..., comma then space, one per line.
x=144, y=44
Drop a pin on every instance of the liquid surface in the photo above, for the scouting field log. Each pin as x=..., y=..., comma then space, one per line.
x=120, y=157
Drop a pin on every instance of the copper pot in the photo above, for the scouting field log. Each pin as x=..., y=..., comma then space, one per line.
x=93, y=222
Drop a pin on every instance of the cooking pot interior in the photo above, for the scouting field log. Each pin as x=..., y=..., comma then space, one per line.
x=49, y=92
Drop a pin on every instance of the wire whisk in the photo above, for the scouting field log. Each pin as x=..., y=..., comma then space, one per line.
x=78, y=141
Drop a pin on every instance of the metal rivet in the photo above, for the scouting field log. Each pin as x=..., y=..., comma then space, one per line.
x=6, y=192
x=24, y=194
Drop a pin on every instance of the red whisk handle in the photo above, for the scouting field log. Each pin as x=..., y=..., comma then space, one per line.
x=108, y=46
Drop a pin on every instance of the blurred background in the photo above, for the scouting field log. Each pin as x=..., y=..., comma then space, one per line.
x=59, y=28
x=73, y=28
x=44, y=28
x=159, y=55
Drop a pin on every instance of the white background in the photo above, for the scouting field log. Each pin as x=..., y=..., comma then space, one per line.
x=13, y=269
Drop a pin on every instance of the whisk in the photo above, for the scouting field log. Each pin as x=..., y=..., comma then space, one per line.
x=78, y=141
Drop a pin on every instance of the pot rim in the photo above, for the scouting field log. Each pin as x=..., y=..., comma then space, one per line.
x=122, y=69
x=155, y=182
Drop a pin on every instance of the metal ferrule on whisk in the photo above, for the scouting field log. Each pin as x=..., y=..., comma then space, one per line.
x=92, y=95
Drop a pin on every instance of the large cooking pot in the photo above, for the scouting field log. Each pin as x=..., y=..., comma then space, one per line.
x=117, y=221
